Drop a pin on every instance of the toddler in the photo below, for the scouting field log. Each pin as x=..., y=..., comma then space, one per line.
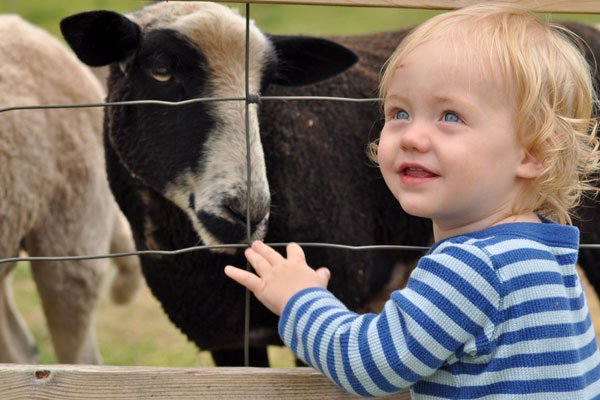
x=488, y=132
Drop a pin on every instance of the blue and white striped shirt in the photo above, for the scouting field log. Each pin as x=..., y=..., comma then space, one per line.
x=496, y=314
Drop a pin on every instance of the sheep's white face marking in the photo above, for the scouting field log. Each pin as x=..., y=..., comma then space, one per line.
x=215, y=188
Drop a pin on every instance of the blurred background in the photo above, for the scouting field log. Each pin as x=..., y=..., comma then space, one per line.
x=272, y=18
x=140, y=333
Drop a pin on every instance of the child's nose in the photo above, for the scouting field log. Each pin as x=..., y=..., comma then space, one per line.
x=416, y=137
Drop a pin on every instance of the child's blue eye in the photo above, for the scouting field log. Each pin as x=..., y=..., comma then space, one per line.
x=451, y=117
x=401, y=115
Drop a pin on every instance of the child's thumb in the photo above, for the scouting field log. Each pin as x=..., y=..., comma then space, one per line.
x=325, y=274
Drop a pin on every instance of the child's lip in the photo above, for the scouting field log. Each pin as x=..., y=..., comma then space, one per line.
x=417, y=170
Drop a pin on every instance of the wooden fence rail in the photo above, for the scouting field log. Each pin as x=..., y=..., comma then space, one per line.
x=562, y=6
x=83, y=382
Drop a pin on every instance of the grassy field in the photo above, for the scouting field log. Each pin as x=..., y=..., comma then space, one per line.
x=140, y=333
x=273, y=18
x=137, y=334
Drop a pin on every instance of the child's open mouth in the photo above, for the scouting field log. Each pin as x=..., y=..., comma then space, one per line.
x=415, y=174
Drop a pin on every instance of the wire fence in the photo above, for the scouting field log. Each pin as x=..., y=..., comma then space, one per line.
x=249, y=98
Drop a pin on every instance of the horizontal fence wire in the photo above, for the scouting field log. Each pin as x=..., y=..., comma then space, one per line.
x=252, y=98
x=213, y=247
x=233, y=246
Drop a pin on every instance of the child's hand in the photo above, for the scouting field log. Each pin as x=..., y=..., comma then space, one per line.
x=278, y=278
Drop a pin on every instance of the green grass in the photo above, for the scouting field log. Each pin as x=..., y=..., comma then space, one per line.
x=280, y=19
x=328, y=20
x=47, y=14
x=137, y=334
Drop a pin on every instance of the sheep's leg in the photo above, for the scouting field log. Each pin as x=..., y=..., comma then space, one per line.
x=69, y=291
x=17, y=344
x=235, y=358
x=128, y=278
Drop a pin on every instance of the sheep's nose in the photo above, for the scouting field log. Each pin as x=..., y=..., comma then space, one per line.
x=238, y=211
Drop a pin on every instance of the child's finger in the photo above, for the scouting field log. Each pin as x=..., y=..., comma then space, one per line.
x=244, y=278
x=324, y=273
x=295, y=252
x=258, y=262
x=267, y=252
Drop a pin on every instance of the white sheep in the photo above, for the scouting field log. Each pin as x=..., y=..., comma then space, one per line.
x=54, y=195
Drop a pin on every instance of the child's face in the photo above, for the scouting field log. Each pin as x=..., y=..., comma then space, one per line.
x=449, y=149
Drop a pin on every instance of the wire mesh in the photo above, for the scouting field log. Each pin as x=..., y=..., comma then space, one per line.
x=249, y=98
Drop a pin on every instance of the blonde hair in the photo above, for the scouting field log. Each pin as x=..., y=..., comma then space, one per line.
x=544, y=70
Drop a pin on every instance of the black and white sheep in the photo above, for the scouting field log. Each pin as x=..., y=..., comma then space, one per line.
x=179, y=173
x=54, y=195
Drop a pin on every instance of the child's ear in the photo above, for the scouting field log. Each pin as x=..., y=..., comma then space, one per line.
x=529, y=167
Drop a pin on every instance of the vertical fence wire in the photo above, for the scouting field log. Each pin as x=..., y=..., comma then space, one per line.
x=248, y=188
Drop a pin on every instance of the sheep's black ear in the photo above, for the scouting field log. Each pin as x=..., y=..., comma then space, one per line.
x=302, y=60
x=100, y=37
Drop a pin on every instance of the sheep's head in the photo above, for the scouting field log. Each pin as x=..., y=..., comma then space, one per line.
x=195, y=155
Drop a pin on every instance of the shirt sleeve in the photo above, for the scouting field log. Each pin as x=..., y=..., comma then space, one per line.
x=449, y=308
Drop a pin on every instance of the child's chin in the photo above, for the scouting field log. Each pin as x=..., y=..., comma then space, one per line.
x=415, y=211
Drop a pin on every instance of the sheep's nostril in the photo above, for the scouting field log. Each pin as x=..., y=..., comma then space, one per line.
x=239, y=215
x=192, y=201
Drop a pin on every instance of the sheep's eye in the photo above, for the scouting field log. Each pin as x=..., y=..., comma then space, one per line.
x=160, y=74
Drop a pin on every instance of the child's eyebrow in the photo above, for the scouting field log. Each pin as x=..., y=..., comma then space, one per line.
x=456, y=101
x=395, y=97
x=452, y=100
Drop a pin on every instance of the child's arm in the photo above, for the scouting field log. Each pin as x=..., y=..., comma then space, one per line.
x=448, y=305
x=447, y=310
x=373, y=355
x=278, y=278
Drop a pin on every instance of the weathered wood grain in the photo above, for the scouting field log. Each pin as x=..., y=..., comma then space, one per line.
x=82, y=382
